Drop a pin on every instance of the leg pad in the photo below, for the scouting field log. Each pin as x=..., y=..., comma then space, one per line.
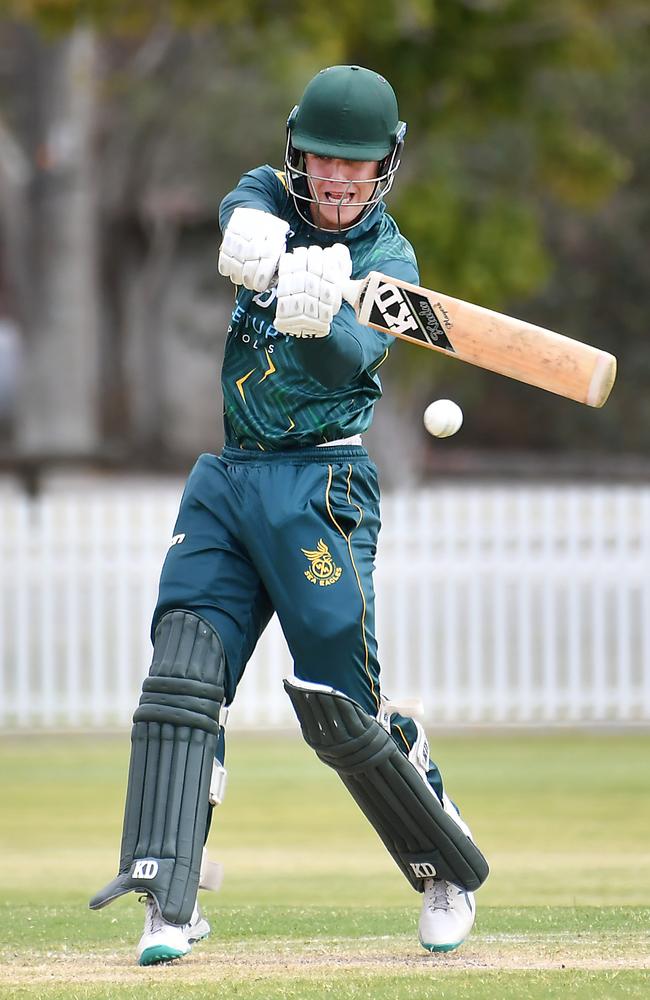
x=404, y=810
x=173, y=743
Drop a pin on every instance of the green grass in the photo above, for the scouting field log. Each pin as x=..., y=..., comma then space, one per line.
x=312, y=906
x=480, y=986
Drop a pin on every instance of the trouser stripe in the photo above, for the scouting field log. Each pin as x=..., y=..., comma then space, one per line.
x=348, y=539
x=401, y=732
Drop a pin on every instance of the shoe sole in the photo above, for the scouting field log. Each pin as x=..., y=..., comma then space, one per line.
x=441, y=947
x=160, y=953
x=198, y=937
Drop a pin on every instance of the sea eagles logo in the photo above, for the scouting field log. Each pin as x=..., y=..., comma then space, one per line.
x=322, y=569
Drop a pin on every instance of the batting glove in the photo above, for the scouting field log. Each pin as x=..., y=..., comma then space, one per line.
x=252, y=245
x=310, y=282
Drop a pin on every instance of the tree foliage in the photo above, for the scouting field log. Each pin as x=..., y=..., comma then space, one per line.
x=491, y=90
x=526, y=135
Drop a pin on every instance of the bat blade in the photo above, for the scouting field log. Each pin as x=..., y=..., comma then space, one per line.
x=485, y=338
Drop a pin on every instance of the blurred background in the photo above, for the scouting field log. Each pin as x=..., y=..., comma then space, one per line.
x=513, y=573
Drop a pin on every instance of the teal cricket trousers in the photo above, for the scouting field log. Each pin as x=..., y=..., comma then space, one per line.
x=292, y=532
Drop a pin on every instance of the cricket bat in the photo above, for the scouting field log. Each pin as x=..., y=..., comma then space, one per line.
x=484, y=338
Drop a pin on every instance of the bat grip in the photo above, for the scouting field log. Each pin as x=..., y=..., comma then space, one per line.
x=353, y=290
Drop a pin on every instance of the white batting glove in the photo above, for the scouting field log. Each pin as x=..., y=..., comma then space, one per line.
x=309, y=289
x=252, y=245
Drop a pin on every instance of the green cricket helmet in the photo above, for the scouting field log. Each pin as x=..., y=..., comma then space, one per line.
x=349, y=113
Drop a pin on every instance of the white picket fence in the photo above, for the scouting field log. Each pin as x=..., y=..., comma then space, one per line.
x=495, y=604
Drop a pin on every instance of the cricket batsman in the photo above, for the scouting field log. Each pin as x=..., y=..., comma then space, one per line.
x=286, y=520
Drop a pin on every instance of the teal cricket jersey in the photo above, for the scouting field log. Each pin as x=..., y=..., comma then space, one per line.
x=281, y=392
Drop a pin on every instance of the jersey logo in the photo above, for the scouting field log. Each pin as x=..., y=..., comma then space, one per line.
x=267, y=298
x=322, y=571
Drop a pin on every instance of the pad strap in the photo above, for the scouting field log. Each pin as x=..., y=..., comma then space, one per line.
x=405, y=811
x=173, y=743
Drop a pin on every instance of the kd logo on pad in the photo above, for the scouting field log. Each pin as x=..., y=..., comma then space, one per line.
x=422, y=869
x=322, y=571
x=146, y=869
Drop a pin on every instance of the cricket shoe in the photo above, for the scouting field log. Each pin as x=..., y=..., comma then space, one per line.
x=447, y=915
x=164, y=942
x=448, y=912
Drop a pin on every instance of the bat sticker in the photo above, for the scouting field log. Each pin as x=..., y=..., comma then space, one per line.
x=407, y=312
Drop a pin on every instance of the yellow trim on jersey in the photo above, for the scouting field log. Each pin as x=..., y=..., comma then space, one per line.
x=291, y=425
x=282, y=178
x=260, y=447
x=348, y=539
x=240, y=382
x=270, y=370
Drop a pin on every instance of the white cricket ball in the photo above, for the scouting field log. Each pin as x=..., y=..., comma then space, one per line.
x=443, y=418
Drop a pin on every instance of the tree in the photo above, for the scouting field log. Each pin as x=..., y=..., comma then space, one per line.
x=53, y=239
x=502, y=139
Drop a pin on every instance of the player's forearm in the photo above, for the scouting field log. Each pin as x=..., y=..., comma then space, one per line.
x=258, y=189
x=241, y=198
x=330, y=343
x=334, y=360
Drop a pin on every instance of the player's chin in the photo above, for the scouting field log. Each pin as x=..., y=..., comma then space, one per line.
x=333, y=218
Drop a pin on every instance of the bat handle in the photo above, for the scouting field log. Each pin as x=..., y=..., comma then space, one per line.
x=353, y=290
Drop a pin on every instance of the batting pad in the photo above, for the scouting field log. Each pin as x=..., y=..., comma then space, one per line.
x=406, y=813
x=173, y=743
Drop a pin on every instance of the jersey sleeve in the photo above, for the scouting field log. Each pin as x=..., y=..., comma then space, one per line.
x=261, y=188
x=350, y=349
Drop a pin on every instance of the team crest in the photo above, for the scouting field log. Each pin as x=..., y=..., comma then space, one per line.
x=322, y=571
